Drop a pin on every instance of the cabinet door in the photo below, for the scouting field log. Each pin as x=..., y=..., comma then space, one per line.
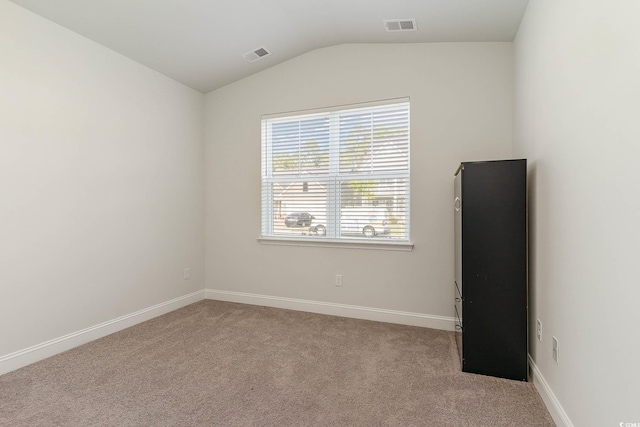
x=457, y=207
x=457, y=292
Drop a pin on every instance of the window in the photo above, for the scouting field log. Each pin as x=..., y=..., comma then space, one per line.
x=337, y=174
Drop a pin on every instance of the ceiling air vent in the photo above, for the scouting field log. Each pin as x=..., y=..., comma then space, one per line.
x=400, y=25
x=256, y=54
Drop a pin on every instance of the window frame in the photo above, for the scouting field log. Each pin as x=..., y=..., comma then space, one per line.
x=334, y=179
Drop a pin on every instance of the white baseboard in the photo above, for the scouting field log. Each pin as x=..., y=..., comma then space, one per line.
x=343, y=310
x=21, y=358
x=550, y=400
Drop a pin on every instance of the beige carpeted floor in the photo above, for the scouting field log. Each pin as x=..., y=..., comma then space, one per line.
x=222, y=364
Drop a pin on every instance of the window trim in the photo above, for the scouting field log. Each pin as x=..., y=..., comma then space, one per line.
x=386, y=245
x=308, y=111
x=404, y=244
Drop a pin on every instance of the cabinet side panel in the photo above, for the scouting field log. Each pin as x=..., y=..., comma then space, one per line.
x=494, y=268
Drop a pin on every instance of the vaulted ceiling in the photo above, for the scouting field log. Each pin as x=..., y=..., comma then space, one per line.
x=200, y=42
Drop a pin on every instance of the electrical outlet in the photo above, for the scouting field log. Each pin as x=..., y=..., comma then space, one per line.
x=187, y=273
x=539, y=329
x=555, y=349
x=338, y=279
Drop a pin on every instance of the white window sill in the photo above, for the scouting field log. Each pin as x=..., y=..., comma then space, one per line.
x=378, y=244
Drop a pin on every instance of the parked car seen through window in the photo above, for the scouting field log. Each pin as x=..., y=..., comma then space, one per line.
x=366, y=225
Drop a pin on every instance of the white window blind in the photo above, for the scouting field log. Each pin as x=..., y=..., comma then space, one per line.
x=339, y=174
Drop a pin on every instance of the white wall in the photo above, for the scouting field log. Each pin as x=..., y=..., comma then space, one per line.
x=101, y=183
x=577, y=68
x=461, y=109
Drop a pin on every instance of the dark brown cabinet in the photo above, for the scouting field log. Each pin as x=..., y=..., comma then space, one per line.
x=490, y=285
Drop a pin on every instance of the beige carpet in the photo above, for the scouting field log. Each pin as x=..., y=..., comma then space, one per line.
x=222, y=364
